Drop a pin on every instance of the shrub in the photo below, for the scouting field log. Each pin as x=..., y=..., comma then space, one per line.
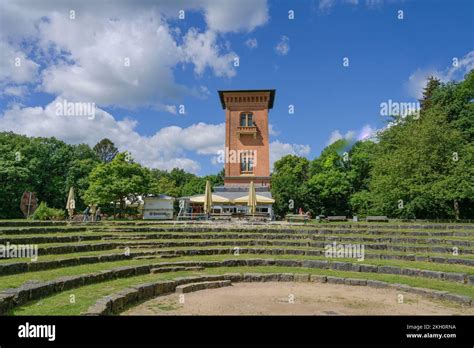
x=43, y=212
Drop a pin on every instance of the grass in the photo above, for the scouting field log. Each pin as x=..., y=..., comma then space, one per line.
x=59, y=304
x=18, y=279
x=328, y=241
x=85, y=296
x=155, y=237
x=54, y=257
x=119, y=250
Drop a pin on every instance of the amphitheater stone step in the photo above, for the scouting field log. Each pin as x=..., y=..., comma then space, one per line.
x=176, y=269
x=181, y=289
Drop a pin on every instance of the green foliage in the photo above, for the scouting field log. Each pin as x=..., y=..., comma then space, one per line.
x=43, y=212
x=50, y=167
x=427, y=163
x=105, y=150
x=116, y=181
x=178, y=183
x=46, y=166
x=289, y=175
x=418, y=167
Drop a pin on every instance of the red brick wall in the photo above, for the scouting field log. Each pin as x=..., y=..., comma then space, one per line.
x=257, y=103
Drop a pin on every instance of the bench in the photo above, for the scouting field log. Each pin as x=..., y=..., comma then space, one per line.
x=296, y=217
x=336, y=218
x=376, y=219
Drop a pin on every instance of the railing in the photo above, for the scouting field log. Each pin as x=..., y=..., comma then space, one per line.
x=247, y=130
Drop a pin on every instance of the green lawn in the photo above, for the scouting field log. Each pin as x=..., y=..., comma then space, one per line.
x=16, y=280
x=59, y=304
x=120, y=232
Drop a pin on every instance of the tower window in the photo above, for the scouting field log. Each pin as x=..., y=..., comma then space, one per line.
x=246, y=162
x=246, y=119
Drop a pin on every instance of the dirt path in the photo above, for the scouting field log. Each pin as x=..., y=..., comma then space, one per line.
x=296, y=299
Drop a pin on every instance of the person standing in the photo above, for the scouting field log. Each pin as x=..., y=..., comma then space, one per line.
x=97, y=214
x=86, y=214
x=93, y=210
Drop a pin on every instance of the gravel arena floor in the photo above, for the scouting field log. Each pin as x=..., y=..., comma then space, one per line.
x=296, y=299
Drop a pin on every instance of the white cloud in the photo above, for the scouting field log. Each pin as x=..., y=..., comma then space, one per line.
x=15, y=66
x=85, y=57
x=327, y=5
x=279, y=149
x=417, y=80
x=335, y=136
x=166, y=149
x=283, y=47
x=124, y=63
x=201, y=49
x=235, y=15
x=365, y=133
x=251, y=43
x=86, y=60
x=272, y=130
x=16, y=91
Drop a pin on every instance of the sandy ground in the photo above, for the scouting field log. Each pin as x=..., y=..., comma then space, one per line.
x=296, y=299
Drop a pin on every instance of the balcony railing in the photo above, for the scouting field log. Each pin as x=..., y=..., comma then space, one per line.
x=252, y=130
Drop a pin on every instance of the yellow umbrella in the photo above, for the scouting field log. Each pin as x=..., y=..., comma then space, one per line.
x=252, y=202
x=71, y=202
x=260, y=199
x=215, y=199
x=208, y=198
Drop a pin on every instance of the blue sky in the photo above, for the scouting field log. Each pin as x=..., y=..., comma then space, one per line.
x=185, y=61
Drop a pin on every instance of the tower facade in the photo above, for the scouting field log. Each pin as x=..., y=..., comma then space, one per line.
x=247, y=153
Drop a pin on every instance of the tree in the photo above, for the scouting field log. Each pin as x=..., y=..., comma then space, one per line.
x=117, y=181
x=288, y=178
x=180, y=177
x=329, y=187
x=194, y=186
x=164, y=185
x=106, y=150
x=423, y=167
x=38, y=164
x=13, y=182
x=431, y=86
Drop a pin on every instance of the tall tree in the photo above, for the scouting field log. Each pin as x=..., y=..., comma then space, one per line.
x=328, y=189
x=288, y=178
x=431, y=86
x=423, y=168
x=117, y=181
x=106, y=150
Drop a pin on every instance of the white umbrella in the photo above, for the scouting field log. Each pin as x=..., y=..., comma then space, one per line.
x=71, y=202
x=208, y=198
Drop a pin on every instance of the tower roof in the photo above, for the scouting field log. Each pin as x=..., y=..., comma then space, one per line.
x=270, y=102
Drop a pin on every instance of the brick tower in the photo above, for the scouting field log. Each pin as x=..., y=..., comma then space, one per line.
x=247, y=138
